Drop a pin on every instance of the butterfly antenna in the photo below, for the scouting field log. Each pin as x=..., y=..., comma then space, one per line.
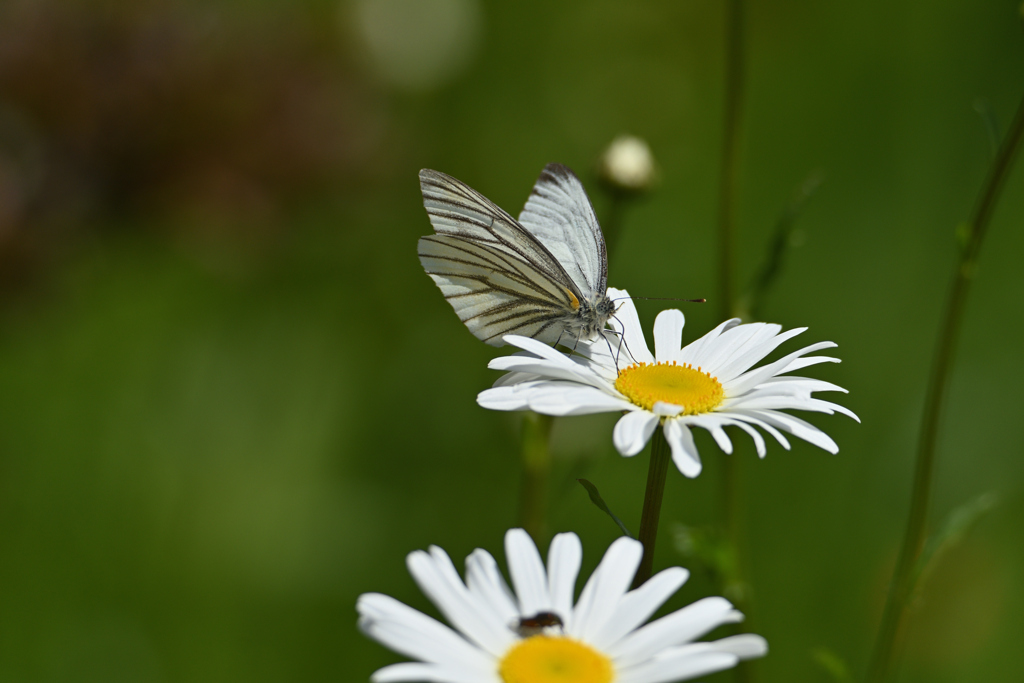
x=662, y=298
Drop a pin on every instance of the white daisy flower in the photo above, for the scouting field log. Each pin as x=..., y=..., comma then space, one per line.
x=710, y=383
x=536, y=634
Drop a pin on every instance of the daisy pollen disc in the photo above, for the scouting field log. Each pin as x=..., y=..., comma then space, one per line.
x=547, y=659
x=645, y=384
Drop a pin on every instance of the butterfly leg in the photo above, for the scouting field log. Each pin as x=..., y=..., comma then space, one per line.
x=555, y=345
x=622, y=343
x=614, y=354
x=578, y=336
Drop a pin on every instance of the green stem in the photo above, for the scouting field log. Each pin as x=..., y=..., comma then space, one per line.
x=536, y=468
x=727, y=218
x=612, y=224
x=902, y=587
x=729, y=179
x=657, y=472
x=734, y=585
x=728, y=303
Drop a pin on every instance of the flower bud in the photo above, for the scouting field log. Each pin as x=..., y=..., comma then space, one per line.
x=628, y=165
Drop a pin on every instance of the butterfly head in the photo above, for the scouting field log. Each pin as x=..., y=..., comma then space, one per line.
x=587, y=321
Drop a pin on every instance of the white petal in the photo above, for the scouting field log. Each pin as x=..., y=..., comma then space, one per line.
x=800, y=363
x=611, y=352
x=638, y=605
x=678, y=666
x=604, y=350
x=564, y=558
x=548, y=369
x=502, y=398
x=527, y=571
x=799, y=428
x=432, y=673
x=437, y=578
x=682, y=626
x=668, y=333
x=606, y=586
x=749, y=380
x=510, y=378
x=627, y=323
x=414, y=634
x=553, y=397
x=769, y=402
x=684, y=450
x=539, y=354
x=754, y=418
x=737, y=343
x=744, y=646
x=633, y=431
x=761, y=345
x=531, y=345
x=776, y=387
x=754, y=434
x=713, y=423
x=663, y=409
x=827, y=406
x=563, y=398
x=804, y=383
x=695, y=352
x=485, y=582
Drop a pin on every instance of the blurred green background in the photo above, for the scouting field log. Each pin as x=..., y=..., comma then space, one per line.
x=231, y=401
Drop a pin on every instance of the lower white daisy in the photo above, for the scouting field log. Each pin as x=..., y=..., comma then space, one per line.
x=710, y=383
x=536, y=634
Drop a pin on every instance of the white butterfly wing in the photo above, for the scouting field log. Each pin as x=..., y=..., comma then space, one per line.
x=559, y=214
x=457, y=209
x=497, y=276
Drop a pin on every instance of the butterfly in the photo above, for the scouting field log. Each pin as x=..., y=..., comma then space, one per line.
x=544, y=276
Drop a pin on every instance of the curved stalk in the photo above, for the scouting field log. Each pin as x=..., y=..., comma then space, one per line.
x=657, y=472
x=536, y=467
x=890, y=634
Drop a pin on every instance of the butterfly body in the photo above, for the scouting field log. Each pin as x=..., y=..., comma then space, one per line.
x=542, y=276
x=588, y=317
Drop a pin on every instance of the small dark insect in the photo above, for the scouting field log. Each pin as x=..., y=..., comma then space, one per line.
x=535, y=625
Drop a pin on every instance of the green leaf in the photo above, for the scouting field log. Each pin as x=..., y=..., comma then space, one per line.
x=713, y=550
x=988, y=118
x=784, y=239
x=958, y=524
x=596, y=499
x=963, y=235
x=832, y=663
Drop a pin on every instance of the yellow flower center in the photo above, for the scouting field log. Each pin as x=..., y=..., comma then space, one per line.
x=554, y=659
x=645, y=384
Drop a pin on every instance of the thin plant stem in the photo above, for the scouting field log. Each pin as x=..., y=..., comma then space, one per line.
x=657, y=472
x=901, y=590
x=728, y=304
x=536, y=460
x=727, y=213
x=781, y=244
x=729, y=178
x=612, y=223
